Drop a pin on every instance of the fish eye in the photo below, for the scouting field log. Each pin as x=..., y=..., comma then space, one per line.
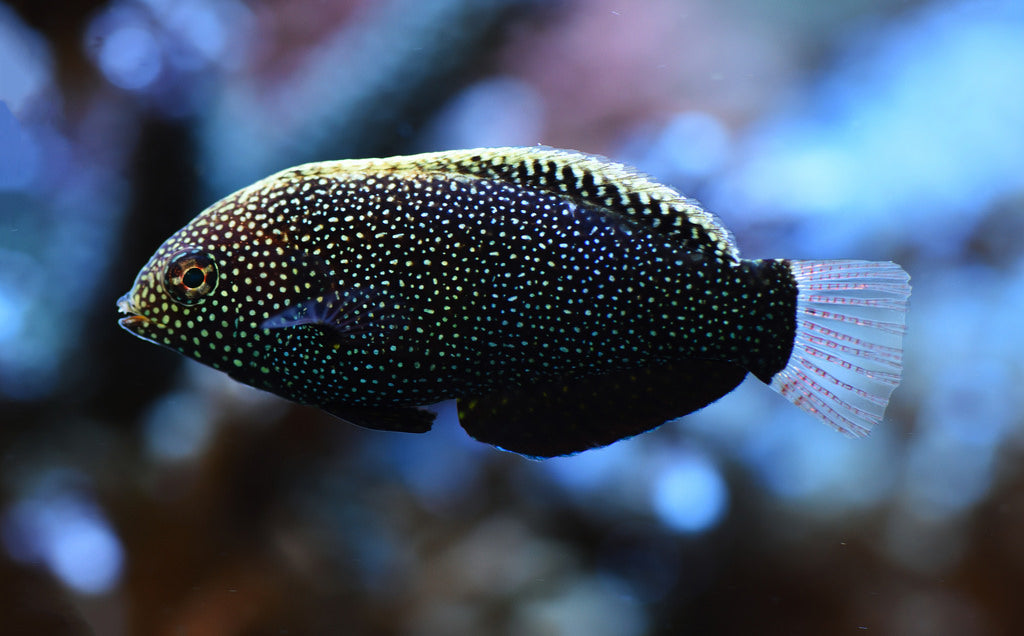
x=193, y=277
x=190, y=276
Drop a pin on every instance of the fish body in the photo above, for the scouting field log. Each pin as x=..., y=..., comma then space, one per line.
x=565, y=300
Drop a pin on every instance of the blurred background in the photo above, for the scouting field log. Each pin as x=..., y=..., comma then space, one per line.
x=143, y=494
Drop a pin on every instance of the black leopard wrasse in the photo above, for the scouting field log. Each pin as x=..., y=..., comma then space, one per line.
x=564, y=300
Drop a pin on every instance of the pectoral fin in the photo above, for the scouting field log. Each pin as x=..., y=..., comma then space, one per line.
x=561, y=418
x=343, y=312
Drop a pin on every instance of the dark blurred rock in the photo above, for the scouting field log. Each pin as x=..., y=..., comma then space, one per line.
x=33, y=603
x=998, y=238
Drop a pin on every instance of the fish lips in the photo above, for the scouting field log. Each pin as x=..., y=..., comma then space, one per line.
x=134, y=320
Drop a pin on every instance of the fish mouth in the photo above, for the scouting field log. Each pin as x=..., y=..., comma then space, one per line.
x=134, y=319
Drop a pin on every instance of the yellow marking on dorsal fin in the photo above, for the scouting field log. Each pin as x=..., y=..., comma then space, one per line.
x=590, y=179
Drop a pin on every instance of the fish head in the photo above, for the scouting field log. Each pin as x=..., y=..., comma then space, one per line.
x=208, y=287
x=226, y=289
x=175, y=297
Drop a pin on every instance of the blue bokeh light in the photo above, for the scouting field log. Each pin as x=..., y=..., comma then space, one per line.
x=19, y=153
x=598, y=470
x=151, y=46
x=690, y=495
x=440, y=468
x=26, y=71
x=499, y=111
x=65, y=529
x=912, y=125
x=199, y=32
x=178, y=427
x=691, y=146
x=130, y=57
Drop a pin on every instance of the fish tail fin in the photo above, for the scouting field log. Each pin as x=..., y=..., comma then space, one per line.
x=848, y=351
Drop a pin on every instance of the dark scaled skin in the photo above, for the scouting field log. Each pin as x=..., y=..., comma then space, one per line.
x=564, y=300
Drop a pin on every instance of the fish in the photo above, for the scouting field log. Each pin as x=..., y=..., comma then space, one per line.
x=563, y=300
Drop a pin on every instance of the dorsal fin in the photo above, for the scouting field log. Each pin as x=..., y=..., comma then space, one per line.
x=591, y=180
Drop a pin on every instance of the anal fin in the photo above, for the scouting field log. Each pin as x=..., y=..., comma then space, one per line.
x=565, y=417
x=401, y=419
